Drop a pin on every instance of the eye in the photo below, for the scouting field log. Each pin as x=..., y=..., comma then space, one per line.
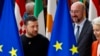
x=74, y=11
x=96, y=30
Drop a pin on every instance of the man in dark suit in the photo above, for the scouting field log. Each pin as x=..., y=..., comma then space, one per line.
x=82, y=29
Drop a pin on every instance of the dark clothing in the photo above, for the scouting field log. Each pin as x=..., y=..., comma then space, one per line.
x=85, y=39
x=36, y=46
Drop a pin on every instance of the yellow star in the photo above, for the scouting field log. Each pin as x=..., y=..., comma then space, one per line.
x=1, y=48
x=58, y=46
x=13, y=52
x=74, y=50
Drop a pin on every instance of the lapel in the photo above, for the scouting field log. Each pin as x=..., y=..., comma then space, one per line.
x=84, y=29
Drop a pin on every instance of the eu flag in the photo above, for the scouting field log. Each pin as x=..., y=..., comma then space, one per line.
x=9, y=38
x=62, y=41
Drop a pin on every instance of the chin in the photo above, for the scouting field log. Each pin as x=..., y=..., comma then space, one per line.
x=75, y=21
x=98, y=38
x=34, y=34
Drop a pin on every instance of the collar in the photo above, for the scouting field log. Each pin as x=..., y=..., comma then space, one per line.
x=82, y=23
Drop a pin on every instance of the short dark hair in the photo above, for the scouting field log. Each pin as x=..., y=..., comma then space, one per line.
x=30, y=18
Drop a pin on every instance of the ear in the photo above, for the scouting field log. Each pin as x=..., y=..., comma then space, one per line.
x=84, y=13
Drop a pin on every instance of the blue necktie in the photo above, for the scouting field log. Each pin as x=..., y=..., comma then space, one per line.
x=77, y=33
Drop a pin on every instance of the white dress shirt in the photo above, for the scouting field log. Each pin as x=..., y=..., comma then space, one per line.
x=81, y=26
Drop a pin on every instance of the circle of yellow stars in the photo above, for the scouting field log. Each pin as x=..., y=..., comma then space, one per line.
x=58, y=46
x=74, y=49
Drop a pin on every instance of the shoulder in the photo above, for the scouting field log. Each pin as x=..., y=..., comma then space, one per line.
x=88, y=22
x=42, y=38
x=94, y=43
x=23, y=37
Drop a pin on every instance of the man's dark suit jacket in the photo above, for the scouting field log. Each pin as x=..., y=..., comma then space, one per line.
x=85, y=39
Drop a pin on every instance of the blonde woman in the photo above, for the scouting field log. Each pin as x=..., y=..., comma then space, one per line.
x=96, y=44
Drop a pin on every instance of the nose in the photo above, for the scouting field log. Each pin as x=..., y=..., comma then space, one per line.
x=95, y=32
x=35, y=28
x=73, y=13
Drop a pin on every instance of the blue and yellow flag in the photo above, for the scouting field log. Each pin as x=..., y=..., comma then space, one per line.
x=9, y=37
x=62, y=41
